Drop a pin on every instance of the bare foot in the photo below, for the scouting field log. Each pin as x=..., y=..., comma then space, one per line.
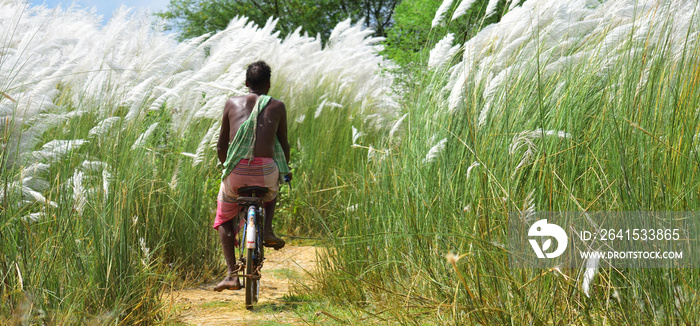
x=229, y=283
x=270, y=240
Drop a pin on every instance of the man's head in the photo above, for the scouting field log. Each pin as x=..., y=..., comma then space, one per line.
x=257, y=76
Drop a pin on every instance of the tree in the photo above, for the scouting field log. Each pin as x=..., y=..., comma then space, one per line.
x=412, y=36
x=193, y=18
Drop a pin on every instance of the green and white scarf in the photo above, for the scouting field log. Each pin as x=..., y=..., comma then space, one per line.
x=243, y=144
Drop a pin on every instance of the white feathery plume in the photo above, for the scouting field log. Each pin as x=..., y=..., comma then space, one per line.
x=174, y=179
x=432, y=139
x=106, y=180
x=513, y=4
x=442, y=52
x=34, y=217
x=435, y=151
x=446, y=4
x=145, y=72
x=462, y=8
x=103, y=127
x=144, y=136
x=33, y=135
x=206, y=140
x=334, y=105
x=212, y=109
x=35, y=169
x=176, y=73
x=472, y=166
x=338, y=31
x=556, y=269
x=356, y=135
x=319, y=109
x=57, y=149
x=492, y=94
x=79, y=193
x=35, y=183
x=94, y=166
x=371, y=153
x=397, y=126
x=140, y=92
x=526, y=138
x=491, y=8
x=5, y=112
x=591, y=271
x=34, y=178
x=155, y=60
x=194, y=156
x=146, y=260
x=156, y=105
x=2, y=192
x=34, y=196
x=457, y=92
x=375, y=121
x=374, y=154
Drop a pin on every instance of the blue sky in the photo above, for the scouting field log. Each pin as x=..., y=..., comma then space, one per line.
x=106, y=7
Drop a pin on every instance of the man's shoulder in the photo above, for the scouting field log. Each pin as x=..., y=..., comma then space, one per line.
x=236, y=99
x=276, y=102
x=234, y=103
x=275, y=105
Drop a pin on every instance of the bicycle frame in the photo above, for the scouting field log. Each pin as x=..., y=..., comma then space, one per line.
x=251, y=247
x=252, y=250
x=251, y=235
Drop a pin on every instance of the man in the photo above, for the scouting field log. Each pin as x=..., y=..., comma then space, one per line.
x=254, y=150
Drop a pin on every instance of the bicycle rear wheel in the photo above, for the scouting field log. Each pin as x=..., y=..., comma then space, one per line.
x=253, y=258
x=252, y=284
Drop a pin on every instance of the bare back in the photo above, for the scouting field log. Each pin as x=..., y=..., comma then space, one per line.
x=271, y=124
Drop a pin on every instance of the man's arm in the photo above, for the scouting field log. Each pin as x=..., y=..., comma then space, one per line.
x=282, y=132
x=222, y=144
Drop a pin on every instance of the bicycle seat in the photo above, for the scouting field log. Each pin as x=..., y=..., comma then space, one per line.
x=248, y=191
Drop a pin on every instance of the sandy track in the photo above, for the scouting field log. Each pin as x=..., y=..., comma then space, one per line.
x=282, y=270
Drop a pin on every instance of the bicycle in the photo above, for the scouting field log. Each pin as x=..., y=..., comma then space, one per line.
x=252, y=250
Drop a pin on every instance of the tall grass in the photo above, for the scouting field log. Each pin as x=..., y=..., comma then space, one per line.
x=562, y=106
x=109, y=178
x=107, y=138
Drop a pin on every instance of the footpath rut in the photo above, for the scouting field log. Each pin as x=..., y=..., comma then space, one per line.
x=282, y=270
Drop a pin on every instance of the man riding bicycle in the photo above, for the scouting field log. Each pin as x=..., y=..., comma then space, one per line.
x=254, y=150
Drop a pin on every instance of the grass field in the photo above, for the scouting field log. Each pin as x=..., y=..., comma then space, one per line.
x=578, y=109
x=109, y=175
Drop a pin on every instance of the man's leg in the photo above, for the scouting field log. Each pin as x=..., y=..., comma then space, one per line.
x=228, y=241
x=269, y=238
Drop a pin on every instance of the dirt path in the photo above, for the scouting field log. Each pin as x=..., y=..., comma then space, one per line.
x=282, y=270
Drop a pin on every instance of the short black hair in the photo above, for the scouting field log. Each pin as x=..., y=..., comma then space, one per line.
x=258, y=74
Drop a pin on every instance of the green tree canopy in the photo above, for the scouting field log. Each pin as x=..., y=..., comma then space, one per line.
x=412, y=36
x=193, y=18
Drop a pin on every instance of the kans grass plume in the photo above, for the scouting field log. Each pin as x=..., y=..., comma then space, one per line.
x=590, y=271
x=57, y=65
x=443, y=52
x=592, y=35
x=462, y=8
x=435, y=151
x=440, y=13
